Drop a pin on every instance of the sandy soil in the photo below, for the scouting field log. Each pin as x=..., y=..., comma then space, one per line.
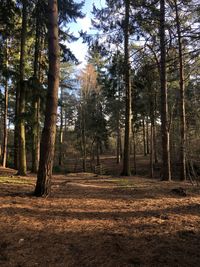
x=93, y=221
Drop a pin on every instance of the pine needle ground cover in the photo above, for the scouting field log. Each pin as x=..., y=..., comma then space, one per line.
x=92, y=220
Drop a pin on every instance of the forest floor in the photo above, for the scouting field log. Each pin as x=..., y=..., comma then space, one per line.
x=92, y=220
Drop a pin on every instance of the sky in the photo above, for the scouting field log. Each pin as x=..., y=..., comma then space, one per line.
x=78, y=48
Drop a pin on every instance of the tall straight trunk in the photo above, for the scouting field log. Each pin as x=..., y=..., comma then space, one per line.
x=118, y=145
x=61, y=130
x=43, y=185
x=119, y=142
x=151, y=152
x=144, y=137
x=22, y=100
x=182, y=98
x=154, y=130
x=134, y=149
x=147, y=135
x=36, y=99
x=152, y=119
x=5, y=136
x=83, y=135
x=126, y=159
x=36, y=136
x=16, y=130
x=166, y=168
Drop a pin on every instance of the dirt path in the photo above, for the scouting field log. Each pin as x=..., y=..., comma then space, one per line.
x=98, y=221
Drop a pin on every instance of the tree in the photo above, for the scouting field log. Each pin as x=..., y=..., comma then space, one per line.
x=36, y=87
x=127, y=79
x=166, y=169
x=20, y=95
x=43, y=184
x=5, y=138
x=182, y=97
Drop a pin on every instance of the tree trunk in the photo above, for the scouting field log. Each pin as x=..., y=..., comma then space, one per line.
x=43, y=185
x=36, y=136
x=5, y=136
x=118, y=143
x=36, y=100
x=147, y=135
x=166, y=168
x=182, y=99
x=83, y=135
x=16, y=131
x=134, y=149
x=22, y=100
x=126, y=159
x=152, y=119
x=151, y=152
x=144, y=138
x=154, y=130
x=61, y=130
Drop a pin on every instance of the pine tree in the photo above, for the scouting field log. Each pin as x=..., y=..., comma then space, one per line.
x=43, y=185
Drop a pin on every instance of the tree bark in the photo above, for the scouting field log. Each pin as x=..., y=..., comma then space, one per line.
x=134, y=149
x=154, y=129
x=144, y=138
x=83, y=134
x=126, y=159
x=61, y=130
x=147, y=135
x=5, y=136
x=22, y=100
x=152, y=119
x=182, y=99
x=166, y=168
x=43, y=185
x=36, y=99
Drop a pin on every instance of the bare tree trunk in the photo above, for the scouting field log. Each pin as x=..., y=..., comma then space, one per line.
x=154, y=130
x=16, y=131
x=5, y=136
x=182, y=98
x=126, y=160
x=43, y=185
x=22, y=100
x=151, y=153
x=152, y=126
x=144, y=137
x=36, y=100
x=147, y=135
x=118, y=144
x=134, y=149
x=61, y=130
x=83, y=135
x=166, y=168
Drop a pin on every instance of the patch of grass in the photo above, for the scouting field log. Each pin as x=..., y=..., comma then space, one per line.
x=122, y=182
x=14, y=180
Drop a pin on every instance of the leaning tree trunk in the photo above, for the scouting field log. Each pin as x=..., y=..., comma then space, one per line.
x=182, y=99
x=22, y=100
x=43, y=185
x=126, y=159
x=166, y=168
x=5, y=136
